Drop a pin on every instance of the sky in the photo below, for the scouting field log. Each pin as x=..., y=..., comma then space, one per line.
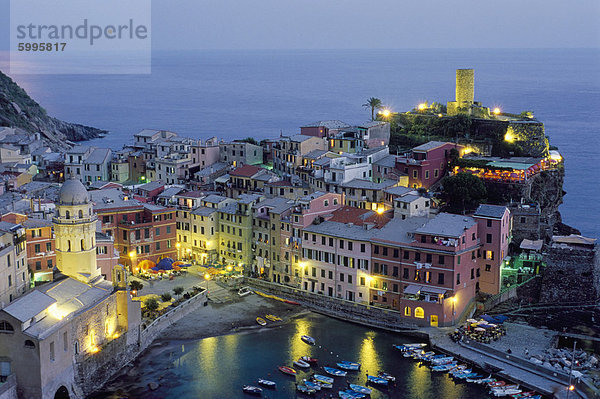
x=359, y=24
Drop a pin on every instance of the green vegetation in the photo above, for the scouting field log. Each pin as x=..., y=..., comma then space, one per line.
x=373, y=103
x=136, y=285
x=178, y=291
x=151, y=304
x=250, y=140
x=166, y=297
x=462, y=192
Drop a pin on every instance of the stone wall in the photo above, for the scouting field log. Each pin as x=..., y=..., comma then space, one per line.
x=339, y=308
x=94, y=370
x=531, y=136
x=8, y=389
x=571, y=275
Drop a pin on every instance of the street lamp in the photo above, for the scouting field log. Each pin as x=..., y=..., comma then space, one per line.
x=178, y=246
x=132, y=255
x=207, y=277
x=453, y=300
x=571, y=387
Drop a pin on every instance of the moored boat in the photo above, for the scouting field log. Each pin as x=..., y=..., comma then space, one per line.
x=308, y=339
x=353, y=394
x=301, y=363
x=335, y=372
x=261, y=321
x=312, y=385
x=384, y=375
x=523, y=395
x=345, y=365
x=377, y=380
x=360, y=388
x=272, y=317
x=505, y=392
x=444, y=367
x=322, y=378
x=287, y=370
x=309, y=360
x=306, y=390
x=252, y=390
x=267, y=383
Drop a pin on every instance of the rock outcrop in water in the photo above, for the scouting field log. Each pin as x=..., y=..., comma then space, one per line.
x=19, y=110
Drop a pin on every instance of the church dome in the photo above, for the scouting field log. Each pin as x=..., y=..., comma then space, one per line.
x=73, y=192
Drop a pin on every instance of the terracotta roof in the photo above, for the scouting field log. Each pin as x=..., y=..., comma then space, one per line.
x=281, y=183
x=358, y=216
x=245, y=171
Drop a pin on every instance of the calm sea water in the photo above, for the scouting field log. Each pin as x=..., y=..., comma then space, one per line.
x=235, y=94
x=217, y=368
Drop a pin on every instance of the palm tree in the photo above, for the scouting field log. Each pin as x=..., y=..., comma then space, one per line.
x=373, y=103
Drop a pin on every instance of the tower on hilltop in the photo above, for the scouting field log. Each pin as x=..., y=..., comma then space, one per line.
x=75, y=230
x=465, y=103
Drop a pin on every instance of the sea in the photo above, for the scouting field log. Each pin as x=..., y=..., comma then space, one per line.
x=218, y=367
x=263, y=94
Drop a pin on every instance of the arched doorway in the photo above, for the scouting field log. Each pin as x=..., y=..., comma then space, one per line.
x=62, y=393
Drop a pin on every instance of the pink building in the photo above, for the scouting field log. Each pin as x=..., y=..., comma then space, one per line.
x=323, y=128
x=495, y=226
x=426, y=164
x=206, y=154
x=106, y=256
x=428, y=269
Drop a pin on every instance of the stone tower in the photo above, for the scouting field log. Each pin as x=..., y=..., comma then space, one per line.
x=75, y=230
x=465, y=87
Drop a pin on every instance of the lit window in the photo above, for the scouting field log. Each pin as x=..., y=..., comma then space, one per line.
x=419, y=313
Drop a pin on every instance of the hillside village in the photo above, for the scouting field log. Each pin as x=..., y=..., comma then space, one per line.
x=329, y=211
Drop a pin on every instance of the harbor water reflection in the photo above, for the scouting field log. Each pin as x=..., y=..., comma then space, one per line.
x=216, y=368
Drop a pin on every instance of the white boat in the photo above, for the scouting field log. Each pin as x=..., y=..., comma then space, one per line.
x=244, y=291
x=308, y=339
x=506, y=392
x=301, y=363
x=267, y=383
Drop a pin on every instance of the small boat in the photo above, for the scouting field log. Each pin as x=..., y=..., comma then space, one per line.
x=272, y=317
x=313, y=385
x=287, y=370
x=353, y=394
x=493, y=384
x=511, y=386
x=360, y=388
x=244, y=291
x=345, y=395
x=301, y=363
x=335, y=372
x=323, y=384
x=444, y=367
x=485, y=380
x=538, y=396
x=506, y=391
x=523, y=395
x=348, y=366
x=267, y=383
x=442, y=360
x=322, y=378
x=377, y=380
x=261, y=321
x=415, y=345
x=306, y=390
x=386, y=376
x=308, y=339
x=309, y=360
x=252, y=390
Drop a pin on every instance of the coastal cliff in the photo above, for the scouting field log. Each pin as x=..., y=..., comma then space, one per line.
x=19, y=110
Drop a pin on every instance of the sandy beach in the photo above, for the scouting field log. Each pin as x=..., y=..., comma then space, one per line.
x=227, y=318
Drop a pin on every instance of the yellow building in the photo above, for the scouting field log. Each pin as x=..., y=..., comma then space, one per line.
x=57, y=330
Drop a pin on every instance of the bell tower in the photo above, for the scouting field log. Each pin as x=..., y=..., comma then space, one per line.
x=75, y=230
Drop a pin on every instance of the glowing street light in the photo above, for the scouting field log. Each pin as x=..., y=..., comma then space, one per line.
x=178, y=246
x=207, y=277
x=132, y=256
x=453, y=300
x=496, y=111
x=386, y=113
x=422, y=107
x=509, y=137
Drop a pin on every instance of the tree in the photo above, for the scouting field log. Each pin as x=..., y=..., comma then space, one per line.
x=250, y=140
x=166, y=297
x=463, y=191
x=151, y=304
x=136, y=285
x=373, y=103
x=178, y=291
